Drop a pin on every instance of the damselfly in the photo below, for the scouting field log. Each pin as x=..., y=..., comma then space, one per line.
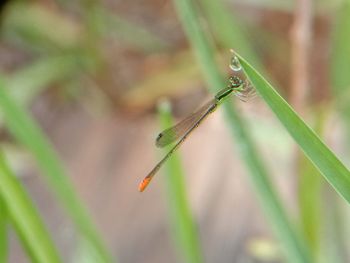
x=184, y=128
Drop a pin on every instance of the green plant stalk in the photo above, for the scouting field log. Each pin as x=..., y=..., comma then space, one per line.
x=293, y=245
x=3, y=232
x=337, y=239
x=228, y=31
x=129, y=33
x=26, y=83
x=318, y=153
x=310, y=196
x=340, y=61
x=183, y=227
x=335, y=234
x=25, y=218
x=310, y=186
x=27, y=132
x=31, y=26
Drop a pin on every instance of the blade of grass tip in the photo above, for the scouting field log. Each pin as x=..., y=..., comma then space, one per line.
x=3, y=232
x=182, y=223
x=27, y=132
x=293, y=245
x=25, y=218
x=319, y=154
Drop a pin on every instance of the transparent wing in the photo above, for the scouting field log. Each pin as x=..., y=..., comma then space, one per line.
x=246, y=92
x=172, y=134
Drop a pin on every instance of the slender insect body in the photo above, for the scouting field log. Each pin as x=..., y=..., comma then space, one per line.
x=184, y=128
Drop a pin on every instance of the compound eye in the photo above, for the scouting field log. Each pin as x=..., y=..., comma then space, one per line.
x=233, y=80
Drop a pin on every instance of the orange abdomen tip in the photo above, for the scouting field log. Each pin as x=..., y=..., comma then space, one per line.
x=144, y=183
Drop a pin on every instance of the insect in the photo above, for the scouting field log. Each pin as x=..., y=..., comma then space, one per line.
x=184, y=128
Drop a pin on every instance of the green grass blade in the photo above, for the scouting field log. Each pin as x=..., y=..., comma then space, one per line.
x=3, y=232
x=293, y=245
x=334, y=233
x=340, y=61
x=310, y=203
x=319, y=154
x=26, y=83
x=227, y=30
x=27, y=132
x=31, y=26
x=25, y=218
x=341, y=49
x=310, y=186
x=129, y=33
x=182, y=223
x=336, y=218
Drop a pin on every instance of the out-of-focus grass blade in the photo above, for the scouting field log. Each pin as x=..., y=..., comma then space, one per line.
x=3, y=232
x=25, y=218
x=285, y=6
x=180, y=75
x=310, y=186
x=27, y=132
x=32, y=26
x=340, y=60
x=334, y=232
x=337, y=239
x=228, y=31
x=26, y=83
x=84, y=253
x=292, y=244
x=129, y=33
x=182, y=223
x=320, y=155
x=310, y=203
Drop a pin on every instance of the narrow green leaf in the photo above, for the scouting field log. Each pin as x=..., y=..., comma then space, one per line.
x=335, y=230
x=293, y=245
x=182, y=223
x=319, y=154
x=336, y=238
x=31, y=25
x=334, y=233
x=227, y=29
x=3, y=232
x=340, y=61
x=28, y=82
x=25, y=218
x=310, y=186
x=27, y=132
x=129, y=33
x=310, y=203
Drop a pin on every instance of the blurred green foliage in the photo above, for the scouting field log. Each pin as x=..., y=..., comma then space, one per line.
x=63, y=48
x=183, y=226
x=3, y=232
x=25, y=219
